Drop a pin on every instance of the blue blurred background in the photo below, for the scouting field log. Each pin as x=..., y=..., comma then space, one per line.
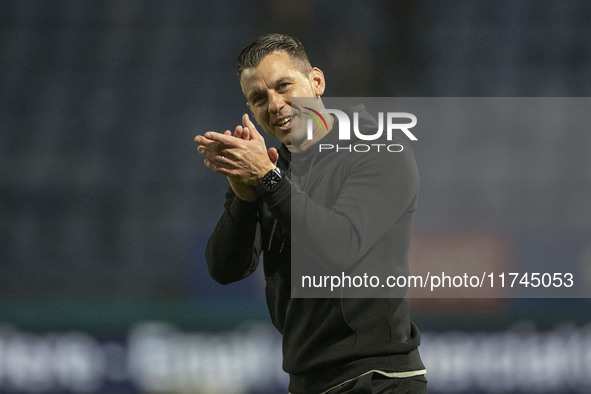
x=105, y=206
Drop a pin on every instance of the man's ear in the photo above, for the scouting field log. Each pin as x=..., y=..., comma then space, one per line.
x=317, y=81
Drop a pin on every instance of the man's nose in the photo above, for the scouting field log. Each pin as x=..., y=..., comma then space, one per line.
x=276, y=102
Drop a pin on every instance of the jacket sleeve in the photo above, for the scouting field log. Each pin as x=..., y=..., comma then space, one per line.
x=233, y=250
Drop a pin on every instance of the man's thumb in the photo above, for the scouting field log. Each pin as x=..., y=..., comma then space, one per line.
x=273, y=155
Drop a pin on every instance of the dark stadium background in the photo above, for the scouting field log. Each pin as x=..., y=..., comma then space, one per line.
x=105, y=206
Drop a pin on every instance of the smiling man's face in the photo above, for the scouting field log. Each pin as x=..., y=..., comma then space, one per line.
x=270, y=86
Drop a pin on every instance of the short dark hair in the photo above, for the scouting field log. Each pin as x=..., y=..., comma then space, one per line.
x=252, y=55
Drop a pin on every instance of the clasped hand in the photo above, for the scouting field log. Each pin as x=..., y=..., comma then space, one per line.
x=243, y=157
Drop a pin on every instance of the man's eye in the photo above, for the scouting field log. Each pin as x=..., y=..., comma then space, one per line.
x=258, y=100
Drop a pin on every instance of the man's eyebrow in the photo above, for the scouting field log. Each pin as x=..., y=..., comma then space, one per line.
x=282, y=80
x=255, y=93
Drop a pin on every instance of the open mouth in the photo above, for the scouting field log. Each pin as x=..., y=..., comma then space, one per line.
x=284, y=122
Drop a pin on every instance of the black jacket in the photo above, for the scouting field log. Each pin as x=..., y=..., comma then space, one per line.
x=366, y=202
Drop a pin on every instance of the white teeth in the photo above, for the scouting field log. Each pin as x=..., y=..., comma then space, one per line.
x=284, y=121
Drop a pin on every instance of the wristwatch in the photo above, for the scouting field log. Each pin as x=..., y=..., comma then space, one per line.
x=271, y=180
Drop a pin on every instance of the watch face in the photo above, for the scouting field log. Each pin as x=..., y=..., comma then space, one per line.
x=271, y=179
